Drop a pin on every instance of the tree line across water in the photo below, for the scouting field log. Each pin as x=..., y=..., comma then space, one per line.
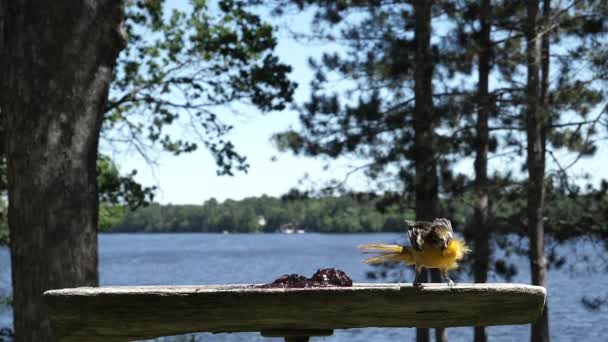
x=264, y=214
x=338, y=214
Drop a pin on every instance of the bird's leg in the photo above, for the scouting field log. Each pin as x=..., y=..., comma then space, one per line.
x=417, y=279
x=444, y=273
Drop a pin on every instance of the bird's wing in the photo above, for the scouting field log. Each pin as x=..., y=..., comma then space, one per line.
x=417, y=233
x=443, y=222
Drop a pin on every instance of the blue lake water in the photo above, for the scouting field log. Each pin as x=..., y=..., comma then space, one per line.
x=186, y=259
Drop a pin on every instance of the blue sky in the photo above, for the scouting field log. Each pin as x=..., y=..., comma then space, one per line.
x=191, y=178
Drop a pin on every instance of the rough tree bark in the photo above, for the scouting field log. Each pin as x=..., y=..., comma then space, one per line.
x=482, y=208
x=535, y=124
x=425, y=139
x=57, y=59
x=544, y=72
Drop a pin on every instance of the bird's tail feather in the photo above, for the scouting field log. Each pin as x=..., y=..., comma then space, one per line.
x=389, y=253
x=380, y=248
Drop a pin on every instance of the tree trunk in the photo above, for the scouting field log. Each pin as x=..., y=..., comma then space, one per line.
x=482, y=208
x=425, y=139
x=57, y=60
x=544, y=87
x=536, y=123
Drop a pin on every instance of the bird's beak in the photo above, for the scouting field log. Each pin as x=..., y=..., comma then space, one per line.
x=445, y=244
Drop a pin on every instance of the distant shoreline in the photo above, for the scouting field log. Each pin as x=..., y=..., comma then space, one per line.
x=248, y=233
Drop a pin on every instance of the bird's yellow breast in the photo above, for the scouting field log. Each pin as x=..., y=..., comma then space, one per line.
x=448, y=258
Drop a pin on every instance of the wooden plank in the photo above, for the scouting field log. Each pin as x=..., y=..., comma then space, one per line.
x=130, y=313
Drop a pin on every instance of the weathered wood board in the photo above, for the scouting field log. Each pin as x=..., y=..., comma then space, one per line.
x=131, y=313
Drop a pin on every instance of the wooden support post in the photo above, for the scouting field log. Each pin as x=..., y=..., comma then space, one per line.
x=296, y=335
x=297, y=339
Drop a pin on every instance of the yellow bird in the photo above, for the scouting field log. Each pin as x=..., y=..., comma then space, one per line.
x=433, y=246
